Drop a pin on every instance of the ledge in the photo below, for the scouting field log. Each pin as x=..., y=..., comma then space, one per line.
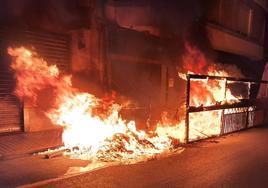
x=231, y=43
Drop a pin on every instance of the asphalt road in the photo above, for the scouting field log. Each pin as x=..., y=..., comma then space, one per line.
x=237, y=160
x=29, y=169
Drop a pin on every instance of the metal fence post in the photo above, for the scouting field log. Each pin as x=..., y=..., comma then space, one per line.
x=243, y=103
x=222, y=115
x=187, y=103
x=247, y=112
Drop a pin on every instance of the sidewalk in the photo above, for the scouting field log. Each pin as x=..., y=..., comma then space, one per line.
x=20, y=144
x=19, y=167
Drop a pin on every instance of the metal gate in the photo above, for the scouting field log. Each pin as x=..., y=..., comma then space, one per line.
x=248, y=111
x=54, y=48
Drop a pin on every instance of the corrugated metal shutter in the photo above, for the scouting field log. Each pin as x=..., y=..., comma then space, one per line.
x=54, y=48
x=10, y=108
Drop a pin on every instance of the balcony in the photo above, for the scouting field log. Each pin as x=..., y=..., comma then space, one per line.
x=224, y=40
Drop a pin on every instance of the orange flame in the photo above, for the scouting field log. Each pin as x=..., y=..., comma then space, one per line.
x=206, y=92
x=93, y=128
x=89, y=133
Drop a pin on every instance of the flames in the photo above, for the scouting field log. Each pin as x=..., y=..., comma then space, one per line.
x=206, y=92
x=93, y=128
x=32, y=73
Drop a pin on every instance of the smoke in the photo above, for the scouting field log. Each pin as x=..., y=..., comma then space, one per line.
x=50, y=15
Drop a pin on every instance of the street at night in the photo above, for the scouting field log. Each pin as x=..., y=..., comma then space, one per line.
x=236, y=160
x=134, y=93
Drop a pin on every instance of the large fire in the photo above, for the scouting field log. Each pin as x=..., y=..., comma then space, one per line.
x=93, y=128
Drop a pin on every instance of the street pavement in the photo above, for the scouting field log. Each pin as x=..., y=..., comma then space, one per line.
x=236, y=160
x=24, y=143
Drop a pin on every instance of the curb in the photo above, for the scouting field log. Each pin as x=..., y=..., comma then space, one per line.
x=44, y=182
x=25, y=154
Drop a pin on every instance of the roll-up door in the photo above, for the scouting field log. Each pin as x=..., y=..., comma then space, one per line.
x=54, y=48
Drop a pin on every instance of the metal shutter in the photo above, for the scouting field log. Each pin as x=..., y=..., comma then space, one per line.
x=54, y=48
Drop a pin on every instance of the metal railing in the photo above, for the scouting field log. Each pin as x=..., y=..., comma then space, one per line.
x=247, y=112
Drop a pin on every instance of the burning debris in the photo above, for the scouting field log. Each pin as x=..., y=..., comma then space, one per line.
x=93, y=128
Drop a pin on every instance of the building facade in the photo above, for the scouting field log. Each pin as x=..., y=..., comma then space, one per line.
x=135, y=47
